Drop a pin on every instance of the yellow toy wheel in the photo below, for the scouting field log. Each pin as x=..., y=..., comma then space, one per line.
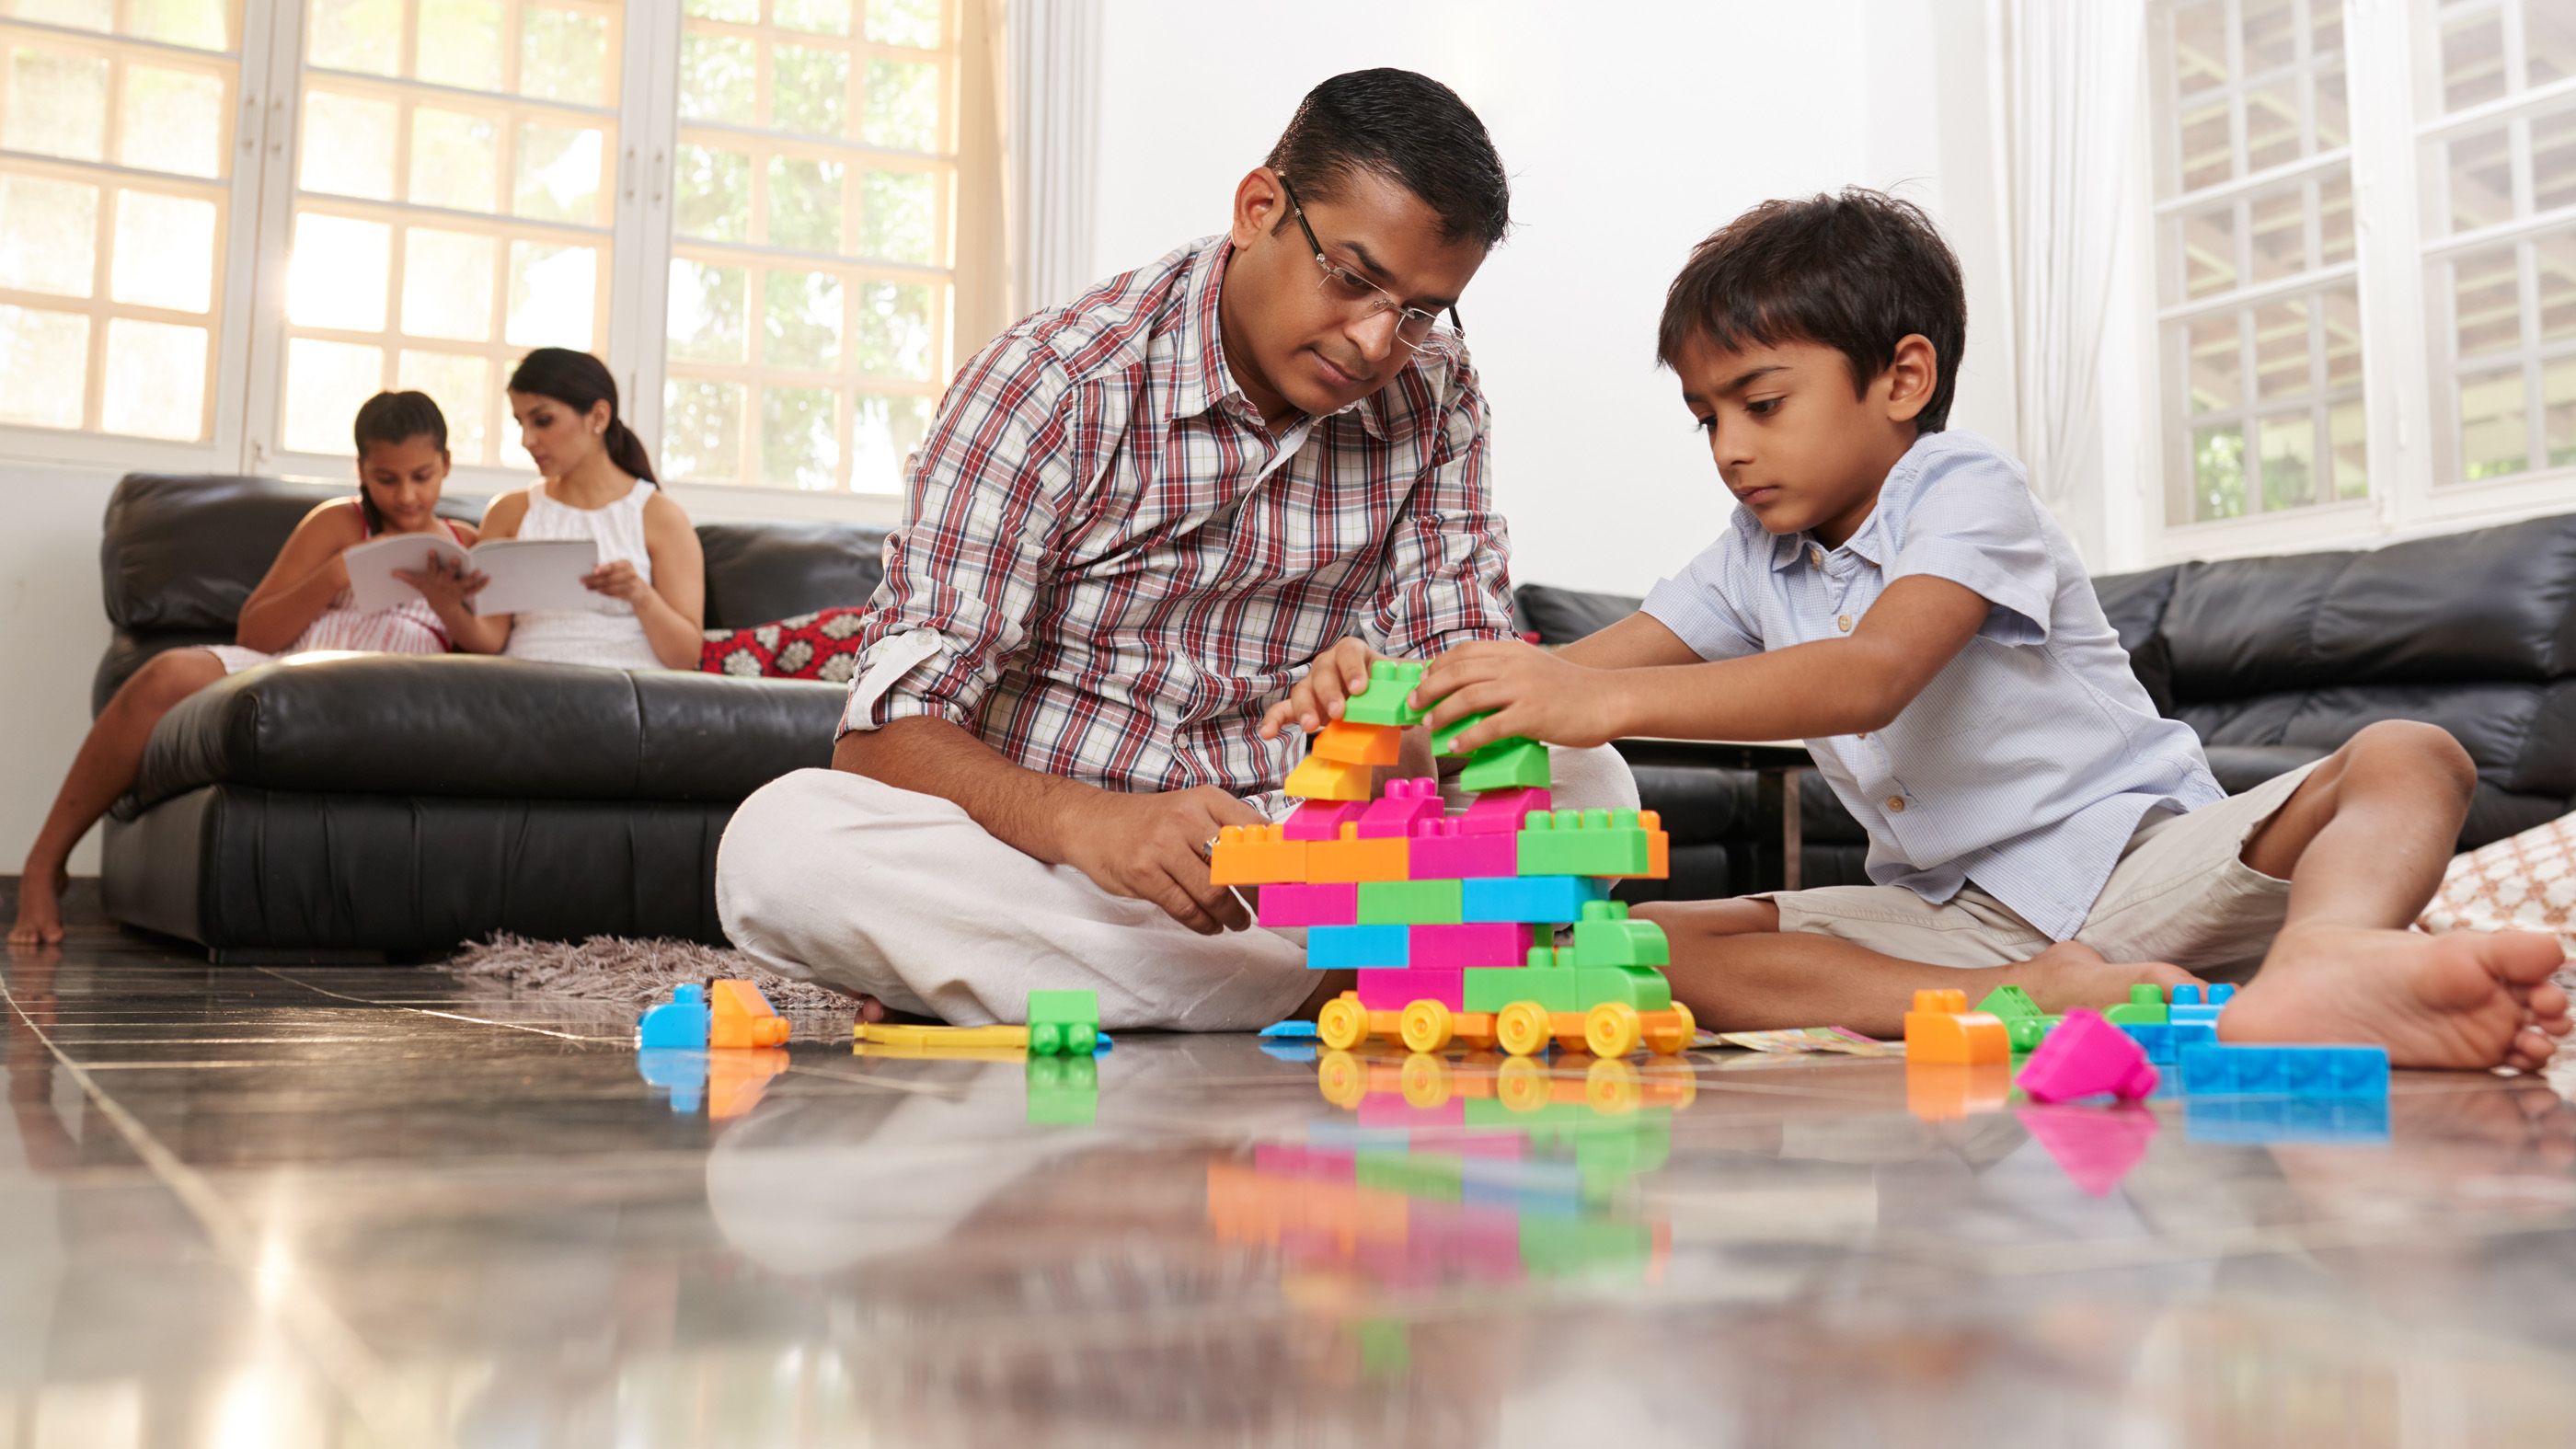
x=1612, y=1087
x=1521, y=1028
x=1612, y=1029
x=1343, y=1079
x=1342, y=1024
x=1425, y=1081
x=1668, y=1033
x=1520, y=1085
x=1425, y=1026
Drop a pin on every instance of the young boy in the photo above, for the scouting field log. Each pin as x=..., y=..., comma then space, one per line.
x=1892, y=593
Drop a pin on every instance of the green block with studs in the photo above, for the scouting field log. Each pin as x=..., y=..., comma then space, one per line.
x=2026, y=1032
x=1585, y=842
x=1382, y=703
x=2145, y=1007
x=1491, y=988
x=1508, y=763
x=1444, y=740
x=1606, y=937
x=1642, y=987
x=1412, y=902
x=2009, y=1002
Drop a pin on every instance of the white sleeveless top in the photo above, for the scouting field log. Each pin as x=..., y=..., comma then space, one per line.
x=607, y=632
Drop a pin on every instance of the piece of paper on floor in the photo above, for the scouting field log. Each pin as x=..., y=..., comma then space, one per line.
x=1804, y=1039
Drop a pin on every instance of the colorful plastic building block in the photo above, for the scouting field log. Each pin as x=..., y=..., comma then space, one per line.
x=1353, y=859
x=1444, y=740
x=2145, y=1004
x=2285, y=1071
x=742, y=1017
x=1353, y=743
x=1256, y=855
x=1443, y=850
x=1606, y=937
x=2283, y=1119
x=1511, y=762
x=1409, y=903
x=1064, y=1091
x=1492, y=989
x=2164, y=1042
x=1940, y=1028
x=1503, y=812
x=1344, y=948
x=2095, y=1145
x=1394, y=990
x=900, y=1034
x=1063, y=1023
x=1317, y=778
x=1383, y=702
x=1538, y=899
x=2009, y=1001
x=2027, y=1032
x=679, y=1022
x=2087, y=1056
x=736, y=1080
x=1945, y=1091
x=1324, y=819
x=1590, y=842
x=1294, y=1030
x=1482, y=944
x=1334, y=903
x=2188, y=1004
x=1405, y=805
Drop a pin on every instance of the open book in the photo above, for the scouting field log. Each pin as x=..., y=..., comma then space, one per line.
x=525, y=573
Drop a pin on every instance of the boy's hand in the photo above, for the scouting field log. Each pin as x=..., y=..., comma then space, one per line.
x=1531, y=692
x=1319, y=698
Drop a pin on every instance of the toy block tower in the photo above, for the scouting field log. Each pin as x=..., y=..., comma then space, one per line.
x=1451, y=920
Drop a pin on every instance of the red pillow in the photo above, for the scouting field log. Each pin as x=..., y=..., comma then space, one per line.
x=821, y=645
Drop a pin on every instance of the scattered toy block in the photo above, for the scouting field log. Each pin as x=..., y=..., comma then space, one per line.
x=1507, y=763
x=1943, y=1002
x=1352, y=743
x=1324, y=819
x=1409, y=903
x=2213, y=1069
x=1493, y=988
x=1256, y=855
x=1940, y=1028
x=1503, y=812
x=2186, y=995
x=2164, y=1042
x=1606, y=937
x=2194, y=1008
x=1406, y=804
x=1539, y=899
x=2096, y=1146
x=2084, y=1057
x=1317, y=778
x=1293, y=1030
x=1352, y=859
x=1444, y=740
x=1297, y=903
x=1384, y=701
x=2145, y=1004
x=2027, y=1032
x=2009, y=1001
x=1588, y=842
x=678, y=1022
x=1394, y=990
x=1063, y=1023
x=1344, y=948
x=742, y=1017
x=1484, y=944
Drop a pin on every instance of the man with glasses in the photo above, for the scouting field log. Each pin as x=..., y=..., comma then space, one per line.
x=1135, y=524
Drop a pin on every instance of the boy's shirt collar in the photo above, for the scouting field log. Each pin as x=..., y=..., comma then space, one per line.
x=1869, y=542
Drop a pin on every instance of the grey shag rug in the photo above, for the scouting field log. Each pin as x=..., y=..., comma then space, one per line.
x=636, y=974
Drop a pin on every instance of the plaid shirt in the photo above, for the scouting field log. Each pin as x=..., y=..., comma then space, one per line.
x=1122, y=567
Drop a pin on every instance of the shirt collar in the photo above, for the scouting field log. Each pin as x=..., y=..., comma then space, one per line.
x=1202, y=380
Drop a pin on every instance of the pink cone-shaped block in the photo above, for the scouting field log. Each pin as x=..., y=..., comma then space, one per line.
x=1442, y=850
x=1393, y=988
x=1501, y=812
x=2096, y=1145
x=1323, y=819
x=1477, y=943
x=1296, y=904
x=2086, y=1056
x=1405, y=804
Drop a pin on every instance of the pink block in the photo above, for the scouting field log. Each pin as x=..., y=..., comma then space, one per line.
x=2083, y=1057
x=1501, y=812
x=1477, y=943
x=1393, y=988
x=1491, y=1251
x=1383, y=1109
x=1405, y=804
x=1442, y=850
x=1507, y=1145
x=1272, y=1159
x=1323, y=819
x=1311, y=905
x=2096, y=1145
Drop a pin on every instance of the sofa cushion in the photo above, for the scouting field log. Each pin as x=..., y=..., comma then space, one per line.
x=1561, y=616
x=762, y=573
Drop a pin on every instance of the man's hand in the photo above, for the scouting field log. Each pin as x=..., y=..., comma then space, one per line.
x=1531, y=692
x=1146, y=847
x=1319, y=698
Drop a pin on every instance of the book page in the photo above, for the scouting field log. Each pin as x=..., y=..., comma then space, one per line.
x=372, y=564
x=536, y=573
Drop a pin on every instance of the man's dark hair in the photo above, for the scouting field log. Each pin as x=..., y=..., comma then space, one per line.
x=1857, y=272
x=1408, y=128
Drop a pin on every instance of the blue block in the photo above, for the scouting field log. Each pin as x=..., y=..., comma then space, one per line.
x=683, y=1073
x=1289, y=1028
x=2284, y=1119
x=2185, y=996
x=2189, y=1034
x=2201, y=1015
x=2155, y=1038
x=2298, y=1071
x=1546, y=900
x=678, y=1022
x=1349, y=948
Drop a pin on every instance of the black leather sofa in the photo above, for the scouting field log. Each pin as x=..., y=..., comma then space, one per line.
x=350, y=807
x=2274, y=661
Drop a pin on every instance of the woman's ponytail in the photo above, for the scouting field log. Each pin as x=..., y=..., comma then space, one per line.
x=627, y=451
x=581, y=382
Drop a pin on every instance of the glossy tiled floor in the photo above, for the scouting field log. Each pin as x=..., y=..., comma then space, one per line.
x=291, y=1208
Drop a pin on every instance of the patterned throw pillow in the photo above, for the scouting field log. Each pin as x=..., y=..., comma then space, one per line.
x=2526, y=883
x=821, y=645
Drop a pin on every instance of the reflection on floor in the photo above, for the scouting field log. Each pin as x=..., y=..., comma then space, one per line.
x=368, y=1207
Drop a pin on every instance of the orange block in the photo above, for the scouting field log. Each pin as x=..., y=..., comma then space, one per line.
x=1317, y=778
x=1331, y=862
x=735, y=1080
x=742, y=1017
x=1942, y=1091
x=1354, y=743
x=1256, y=855
x=1940, y=1028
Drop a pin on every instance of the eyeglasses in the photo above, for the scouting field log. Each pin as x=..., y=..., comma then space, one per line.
x=1349, y=289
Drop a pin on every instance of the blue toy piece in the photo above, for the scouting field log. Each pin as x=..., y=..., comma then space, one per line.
x=2286, y=1119
x=1541, y=900
x=1289, y=1029
x=1347, y=948
x=680, y=1071
x=2285, y=1071
x=678, y=1022
x=2190, y=1004
x=2165, y=1042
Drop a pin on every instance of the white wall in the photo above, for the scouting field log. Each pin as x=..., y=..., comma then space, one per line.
x=1631, y=131
x=52, y=630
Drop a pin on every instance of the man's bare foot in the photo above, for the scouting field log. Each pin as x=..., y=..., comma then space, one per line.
x=2069, y=974
x=40, y=908
x=2463, y=1000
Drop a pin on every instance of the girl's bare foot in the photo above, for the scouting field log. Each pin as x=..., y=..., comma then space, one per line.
x=2071, y=974
x=2463, y=1000
x=40, y=907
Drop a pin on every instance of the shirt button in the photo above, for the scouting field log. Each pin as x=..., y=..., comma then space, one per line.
x=1896, y=804
x=1818, y=555
x=1843, y=623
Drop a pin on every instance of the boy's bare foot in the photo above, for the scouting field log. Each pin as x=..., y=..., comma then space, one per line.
x=40, y=908
x=2462, y=1000
x=2069, y=974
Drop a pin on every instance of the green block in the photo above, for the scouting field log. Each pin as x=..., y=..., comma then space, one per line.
x=2145, y=1007
x=1382, y=703
x=1412, y=902
x=1445, y=739
x=1063, y=1091
x=2026, y=1032
x=2008, y=1002
x=1063, y=1021
x=1415, y=1174
x=1606, y=937
x=1584, y=842
x=1642, y=987
x=1491, y=988
x=1585, y=1248
x=1638, y=1144
x=1504, y=764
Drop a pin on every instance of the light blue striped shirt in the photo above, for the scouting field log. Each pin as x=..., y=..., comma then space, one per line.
x=2027, y=763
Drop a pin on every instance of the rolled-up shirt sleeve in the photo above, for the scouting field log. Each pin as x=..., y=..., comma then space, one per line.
x=1974, y=523
x=971, y=559
x=1447, y=579
x=1701, y=606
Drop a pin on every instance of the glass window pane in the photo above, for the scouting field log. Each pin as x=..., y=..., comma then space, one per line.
x=823, y=17
x=458, y=385
x=2207, y=147
x=2346, y=432
x=2209, y=251
x=2334, y=219
x=895, y=219
x=2548, y=43
x=904, y=22
x=359, y=35
x=705, y=316
x=44, y=366
x=2281, y=349
x=553, y=295
x=325, y=383
x=2486, y=293
x=734, y=12
x=801, y=321
x=558, y=173
x=805, y=204
x=156, y=379
x=337, y=277
x=2341, y=312
x=2333, y=113
x=2279, y=223
x=884, y=431
x=2553, y=161
x=563, y=56
x=2325, y=27
x=460, y=43
x=455, y=160
x=2270, y=34
x=2558, y=410
x=718, y=79
x=2289, y=453
x=2481, y=176
x=2493, y=441
x=2217, y=473
x=173, y=121
x=798, y=445
x=2200, y=44
x=2555, y=271
x=893, y=333
x=48, y=236
x=98, y=15
x=2216, y=361
x=348, y=146
x=57, y=105
x=809, y=90
x=702, y=430
x=165, y=255
x=903, y=105
x=2472, y=61
x=447, y=285
x=714, y=190
x=2272, y=124
x=200, y=24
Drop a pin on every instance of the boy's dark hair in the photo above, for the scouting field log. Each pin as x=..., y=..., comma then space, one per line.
x=1856, y=272
x=1408, y=128
x=395, y=417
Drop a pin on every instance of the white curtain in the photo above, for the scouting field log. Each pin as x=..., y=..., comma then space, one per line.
x=1054, y=148
x=2073, y=91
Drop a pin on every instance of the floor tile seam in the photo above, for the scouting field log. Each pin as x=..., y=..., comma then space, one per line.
x=2042, y=1259
x=334, y=1347
x=425, y=1011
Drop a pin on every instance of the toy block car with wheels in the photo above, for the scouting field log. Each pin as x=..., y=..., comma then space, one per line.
x=1608, y=1008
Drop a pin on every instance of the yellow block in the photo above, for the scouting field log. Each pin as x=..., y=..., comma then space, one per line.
x=1322, y=779
x=883, y=1033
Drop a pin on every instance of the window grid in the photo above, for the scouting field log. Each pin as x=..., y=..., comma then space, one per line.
x=116, y=145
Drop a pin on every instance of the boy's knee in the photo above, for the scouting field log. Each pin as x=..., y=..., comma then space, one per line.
x=2415, y=748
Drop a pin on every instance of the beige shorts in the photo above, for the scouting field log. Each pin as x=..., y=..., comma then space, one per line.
x=2182, y=893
